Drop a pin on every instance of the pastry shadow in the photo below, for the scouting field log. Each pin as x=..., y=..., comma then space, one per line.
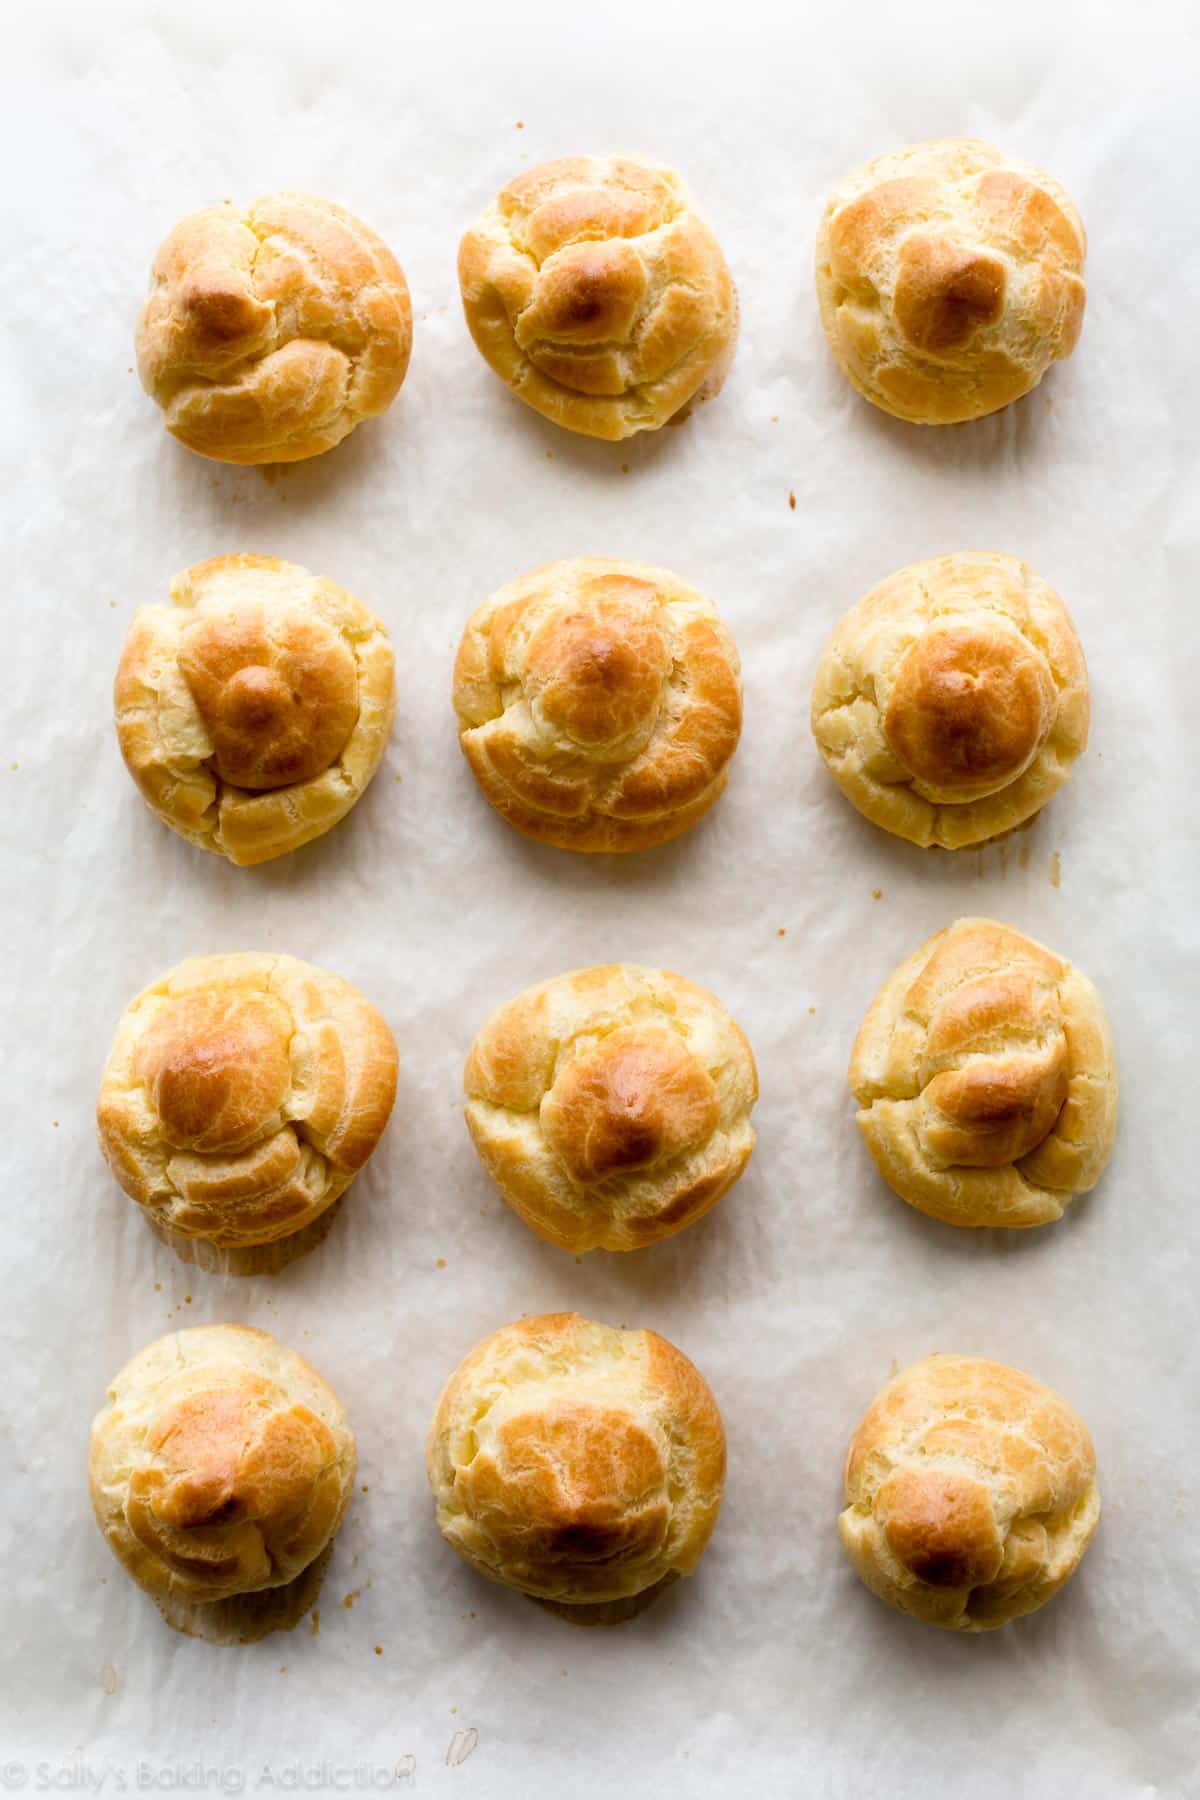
x=948, y=1657
x=245, y=1261
x=600, y=458
x=624, y=1287
x=580, y=871
x=975, y=444
x=608, y=1612
x=933, y=1238
x=1022, y=848
x=242, y=498
x=247, y=1618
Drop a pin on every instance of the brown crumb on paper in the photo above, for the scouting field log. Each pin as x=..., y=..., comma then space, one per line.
x=877, y=893
x=782, y=932
x=1055, y=870
x=792, y=501
x=520, y=124
x=379, y=1649
x=441, y=1262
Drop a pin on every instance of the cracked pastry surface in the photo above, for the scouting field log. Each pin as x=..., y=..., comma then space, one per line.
x=596, y=292
x=952, y=702
x=611, y=1105
x=271, y=331
x=599, y=704
x=253, y=711
x=970, y=1493
x=949, y=278
x=221, y=1465
x=985, y=1079
x=242, y=1095
x=577, y=1462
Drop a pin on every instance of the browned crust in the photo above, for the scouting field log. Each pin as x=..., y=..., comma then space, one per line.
x=220, y=1468
x=578, y=1463
x=952, y=702
x=241, y=1096
x=599, y=704
x=611, y=1105
x=598, y=295
x=985, y=1079
x=254, y=711
x=970, y=1493
x=949, y=278
x=270, y=332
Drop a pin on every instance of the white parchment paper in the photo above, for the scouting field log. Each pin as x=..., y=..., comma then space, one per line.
x=772, y=1672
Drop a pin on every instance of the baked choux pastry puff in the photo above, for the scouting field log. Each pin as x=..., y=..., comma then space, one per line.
x=952, y=702
x=271, y=330
x=950, y=277
x=220, y=1469
x=578, y=1463
x=970, y=1493
x=241, y=1096
x=598, y=294
x=611, y=1106
x=599, y=704
x=985, y=1079
x=254, y=708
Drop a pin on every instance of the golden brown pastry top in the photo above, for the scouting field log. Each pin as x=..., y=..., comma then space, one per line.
x=575, y=1461
x=985, y=1079
x=271, y=331
x=952, y=701
x=611, y=1105
x=594, y=289
x=254, y=710
x=970, y=1493
x=949, y=277
x=222, y=1464
x=599, y=704
x=242, y=1094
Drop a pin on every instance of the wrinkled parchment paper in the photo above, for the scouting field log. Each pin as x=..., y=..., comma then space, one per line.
x=772, y=1672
